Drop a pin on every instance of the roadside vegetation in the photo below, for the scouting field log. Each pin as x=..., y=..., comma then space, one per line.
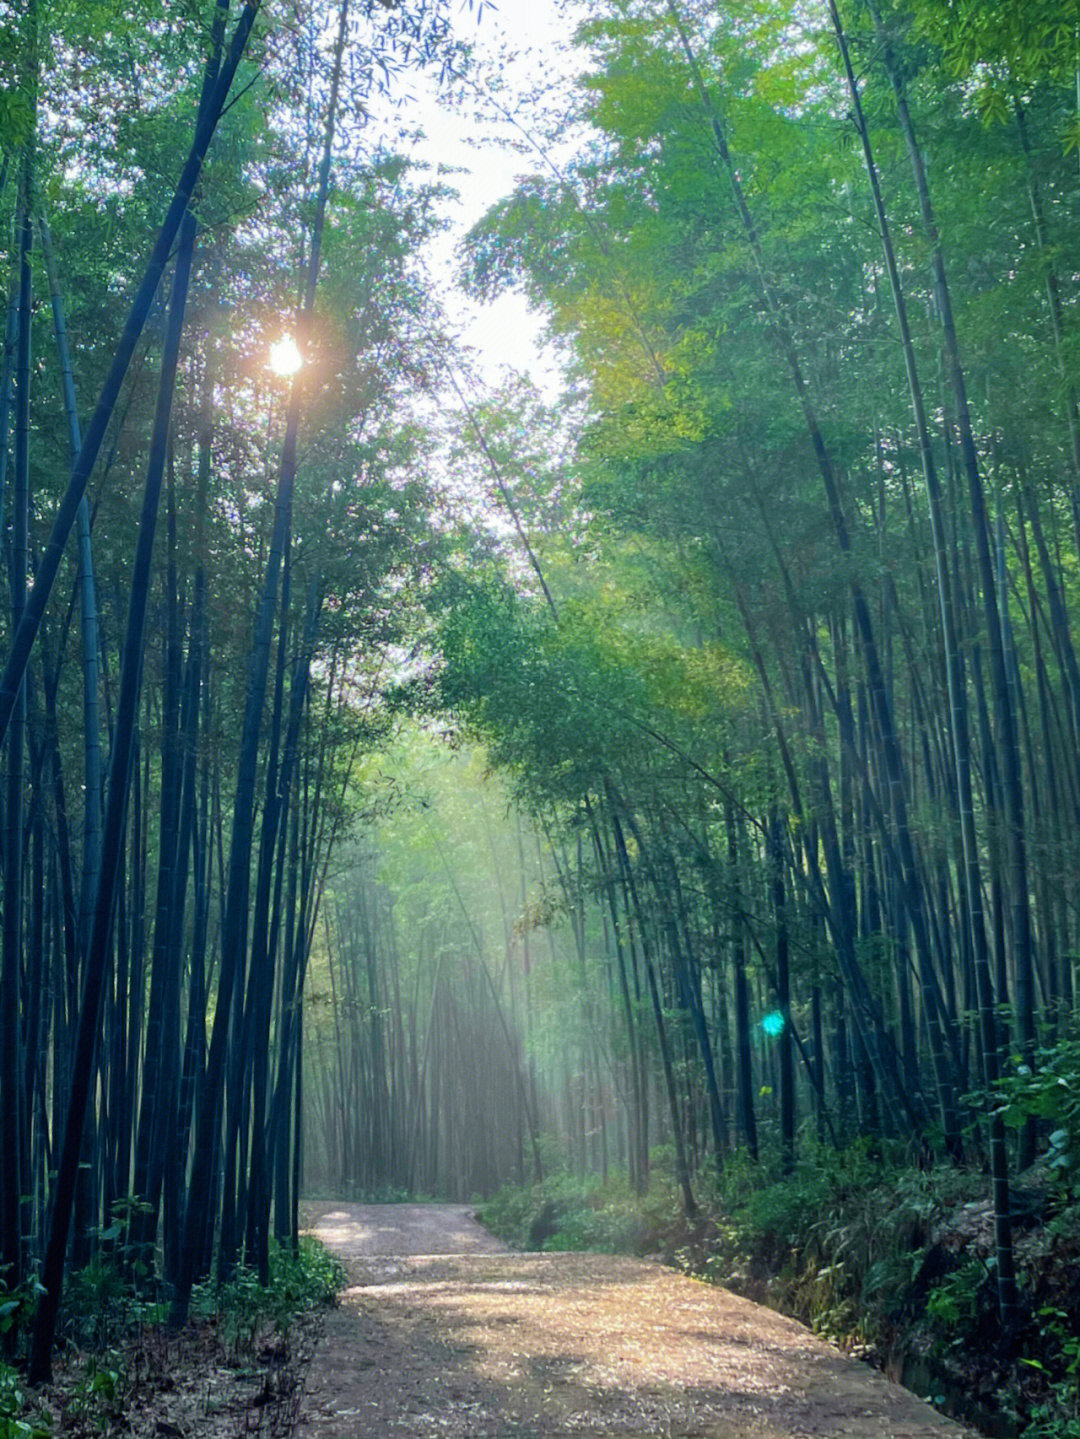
x=120, y=1368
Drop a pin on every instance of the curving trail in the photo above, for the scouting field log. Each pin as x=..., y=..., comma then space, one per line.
x=444, y=1331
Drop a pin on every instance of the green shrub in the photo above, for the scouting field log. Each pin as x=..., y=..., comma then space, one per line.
x=953, y=1305
x=568, y=1212
x=97, y=1400
x=507, y=1213
x=1049, y=1092
x=17, y=1306
x=14, y=1421
x=300, y=1280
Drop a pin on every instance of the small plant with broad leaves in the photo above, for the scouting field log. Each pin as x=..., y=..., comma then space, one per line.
x=99, y=1396
x=17, y=1305
x=1048, y=1091
x=952, y=1306
x=14, y=1420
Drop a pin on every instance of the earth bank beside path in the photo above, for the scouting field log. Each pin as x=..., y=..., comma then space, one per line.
x=444, y=1331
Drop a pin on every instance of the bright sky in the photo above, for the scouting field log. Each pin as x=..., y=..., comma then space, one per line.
x=516, y=40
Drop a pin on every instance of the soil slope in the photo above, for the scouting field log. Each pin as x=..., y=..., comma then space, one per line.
x=443, y=1331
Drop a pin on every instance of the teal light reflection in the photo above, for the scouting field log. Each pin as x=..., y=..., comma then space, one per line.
x=773, y=1023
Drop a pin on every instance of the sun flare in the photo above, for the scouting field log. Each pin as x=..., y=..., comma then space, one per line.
x=285, y=356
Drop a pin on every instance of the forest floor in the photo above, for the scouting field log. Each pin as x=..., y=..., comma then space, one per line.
x=444, y=1331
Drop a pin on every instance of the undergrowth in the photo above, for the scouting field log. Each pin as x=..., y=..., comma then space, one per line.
x=117, y=1351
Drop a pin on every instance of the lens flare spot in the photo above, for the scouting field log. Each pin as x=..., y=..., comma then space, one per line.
x=285, y=356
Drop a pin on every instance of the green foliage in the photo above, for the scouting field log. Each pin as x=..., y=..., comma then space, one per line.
x=1047, y=1423
x=954, y=1304
x=1048, y=1091
x=1030, y=41
x=106, y=1313
x=840, y=1244
x=115, y=1294
x=106, y=1310
x=509, y=1212
x=300, y=1280
x=17, y=1306
x=568, y=1212
x=1057, y=1335
x=103, y=1302
x=99, y=1396
x=14, y=1423
x=558, y=704
x=237, y=1306
x=1058, y=1416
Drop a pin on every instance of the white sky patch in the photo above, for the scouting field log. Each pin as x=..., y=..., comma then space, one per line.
x=517, y=42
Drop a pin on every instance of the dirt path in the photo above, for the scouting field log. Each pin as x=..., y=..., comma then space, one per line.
x=443, y=1331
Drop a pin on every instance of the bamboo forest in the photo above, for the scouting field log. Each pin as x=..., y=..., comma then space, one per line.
x=599, y=785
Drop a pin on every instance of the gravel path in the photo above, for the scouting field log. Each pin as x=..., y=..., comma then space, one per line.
x=443, y=1331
